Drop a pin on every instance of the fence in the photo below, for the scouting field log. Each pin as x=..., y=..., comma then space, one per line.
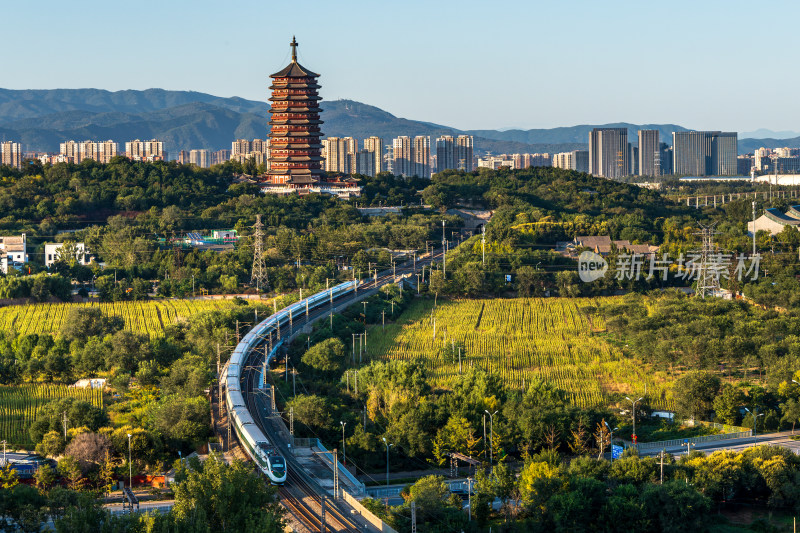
x=376, y=522
x=676, y=443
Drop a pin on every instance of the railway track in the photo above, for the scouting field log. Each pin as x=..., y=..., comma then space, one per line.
x=302, y=496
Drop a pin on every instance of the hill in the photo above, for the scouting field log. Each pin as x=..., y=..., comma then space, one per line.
x=41, y=119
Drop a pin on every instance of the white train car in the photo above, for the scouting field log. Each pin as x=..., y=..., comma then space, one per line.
x=255, y=443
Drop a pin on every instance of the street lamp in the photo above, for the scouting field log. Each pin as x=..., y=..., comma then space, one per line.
x=192, y=285
x=344, y=450
x=633, y=413
x=4, y=454
x=491, y=432
x=130, y=465
x=611, y=439
x=387, y=459
x=755, y=419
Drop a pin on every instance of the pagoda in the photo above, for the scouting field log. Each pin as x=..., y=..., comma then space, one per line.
x=295, y=149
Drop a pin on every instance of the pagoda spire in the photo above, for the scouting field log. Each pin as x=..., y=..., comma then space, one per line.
x=294, y=49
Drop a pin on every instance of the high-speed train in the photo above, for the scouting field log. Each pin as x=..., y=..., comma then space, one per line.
x=251, y=437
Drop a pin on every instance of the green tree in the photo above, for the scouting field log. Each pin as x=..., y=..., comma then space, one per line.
x=225, y=497
x=727, y=405
x=52, y=444
x=312, y=411
x=45, y=476
x=791, y=412
x=694, y=393
x=326, y=357
x=70, y=468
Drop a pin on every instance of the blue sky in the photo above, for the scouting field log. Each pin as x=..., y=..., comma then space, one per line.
x=703, y=64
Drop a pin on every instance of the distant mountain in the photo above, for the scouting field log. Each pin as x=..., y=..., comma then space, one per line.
x=747, y=146
x=41, y=119
x=769, y=134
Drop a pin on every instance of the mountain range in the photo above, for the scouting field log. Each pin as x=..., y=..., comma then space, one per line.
x=41, y=119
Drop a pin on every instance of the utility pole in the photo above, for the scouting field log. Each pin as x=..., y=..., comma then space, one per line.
x=483, y=244
x=259, y=273
x=754, y=227
x=335, y=457
x=413, y=517
x=633, y=413
x=383, y=320
x=291, y=421
x=444, y=252
x=491, y=445
x=662, y=466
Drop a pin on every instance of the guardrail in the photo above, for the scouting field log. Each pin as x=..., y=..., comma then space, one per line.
x=676, y=443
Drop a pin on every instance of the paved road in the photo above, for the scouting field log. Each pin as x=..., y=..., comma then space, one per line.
x=775, y=439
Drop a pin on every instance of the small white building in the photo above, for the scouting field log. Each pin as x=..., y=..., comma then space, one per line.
x=13, y=252
x=52, y=252
x=90, y=383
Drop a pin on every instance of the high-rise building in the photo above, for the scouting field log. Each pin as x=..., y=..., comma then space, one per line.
x=704, y=153
x=295, y=157
x=724, y=151
x=445, y=153
x=665, y=153
x=183, y=157
x=744, y=163
x=401, y=156
x=106, y=150
x=365, y=163
x=339, y=154
x=422, y=156
x=580, y=160
x=201, y=158
x=374, y=145
x=562, y=160
x=11, y=154
x=220, y=156
x=240, y=147
x=388, y=159
x=633, y=160
x=464, y=155
x=608, y=152
x=649, y=153
x=152, y=150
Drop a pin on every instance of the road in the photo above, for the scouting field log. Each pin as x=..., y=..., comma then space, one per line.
x=774, y=439
x=301, y=495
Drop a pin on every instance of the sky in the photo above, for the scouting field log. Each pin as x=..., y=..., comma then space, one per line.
x=702, y=64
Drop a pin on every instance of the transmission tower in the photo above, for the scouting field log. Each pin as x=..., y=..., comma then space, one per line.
x=259, y=276
x=708, y=277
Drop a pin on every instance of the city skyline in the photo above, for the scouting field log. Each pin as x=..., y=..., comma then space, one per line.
x=448, y=57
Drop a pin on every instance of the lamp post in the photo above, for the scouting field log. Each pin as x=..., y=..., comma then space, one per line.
x=633, y=414
x=387, y=459
x=344, y=450
x=4, y=454
x=755, y=419
x=491, y=439
x=130, y=465
x=611, y=440
x=469, y=497
x=192, y=285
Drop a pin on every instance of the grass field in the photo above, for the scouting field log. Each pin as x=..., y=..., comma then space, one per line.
x=554, y=339
x=149, y=317
x=20, y=405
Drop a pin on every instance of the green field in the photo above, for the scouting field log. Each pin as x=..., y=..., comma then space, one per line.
x=148, y=317
x=20, y=406
x=554, y=339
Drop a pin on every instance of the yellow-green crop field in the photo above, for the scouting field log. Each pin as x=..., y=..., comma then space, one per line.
x=148, y=317
x=21, y=405
x=553, y=339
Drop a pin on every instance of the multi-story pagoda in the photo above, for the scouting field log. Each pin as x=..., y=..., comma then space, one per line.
x=295, y=149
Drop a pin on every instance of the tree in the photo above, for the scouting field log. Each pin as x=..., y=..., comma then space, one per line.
x=88, y=449
x=84, y=322
x=537, y=482
x=52, y=444
x=694, y=393
x=727, y=405
x=791, y=412
x=326, y=357
x=45, y=476
x=70, y=468
x=221, y=497
x=8, y=477
x=312, y=411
